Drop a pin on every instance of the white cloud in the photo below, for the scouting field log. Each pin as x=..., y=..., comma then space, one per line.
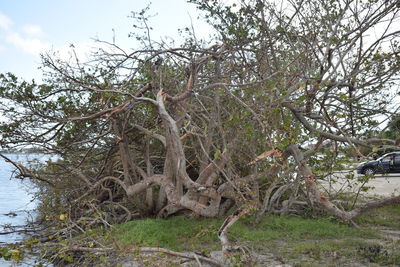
x=5, y=22
x=31, y=46
x=32, y=29
x=35, y=46
x=22, y=39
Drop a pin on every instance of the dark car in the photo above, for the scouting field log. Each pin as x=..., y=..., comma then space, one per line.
x=388, y=163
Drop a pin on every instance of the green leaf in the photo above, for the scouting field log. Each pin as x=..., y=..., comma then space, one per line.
x=217, y=154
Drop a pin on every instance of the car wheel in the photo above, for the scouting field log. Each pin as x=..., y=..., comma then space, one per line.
x=369, y=171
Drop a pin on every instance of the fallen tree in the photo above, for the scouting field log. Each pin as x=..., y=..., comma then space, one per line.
x=241, y=123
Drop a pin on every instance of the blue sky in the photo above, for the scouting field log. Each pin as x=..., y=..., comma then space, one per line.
x=29, y=27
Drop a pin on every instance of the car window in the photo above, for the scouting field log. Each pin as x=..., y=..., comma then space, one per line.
x=387, y=158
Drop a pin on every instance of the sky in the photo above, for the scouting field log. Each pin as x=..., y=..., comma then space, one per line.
x=31, y=27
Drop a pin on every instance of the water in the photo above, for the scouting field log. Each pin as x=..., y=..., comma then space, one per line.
x=16, y=200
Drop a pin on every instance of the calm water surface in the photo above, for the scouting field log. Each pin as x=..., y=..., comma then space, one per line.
x=16, y=197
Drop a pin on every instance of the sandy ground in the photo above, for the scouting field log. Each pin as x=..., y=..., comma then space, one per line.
x=381, y=185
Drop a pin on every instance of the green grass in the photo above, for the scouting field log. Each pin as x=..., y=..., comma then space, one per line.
x=181, y=233
x=296, y=228
x=320, y=241
x=387, y=217
x=177, y=233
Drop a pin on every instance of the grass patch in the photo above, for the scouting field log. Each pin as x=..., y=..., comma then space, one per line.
x=318, y=241
x=295, y=228
x=177, y=233
x=386, y=216
x=322, y=241
x=181, y=233
x=321, y=248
